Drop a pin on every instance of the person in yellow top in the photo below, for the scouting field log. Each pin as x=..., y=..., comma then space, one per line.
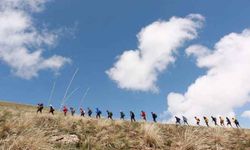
x=197, y=120
x=206, y=120
x=222, y=121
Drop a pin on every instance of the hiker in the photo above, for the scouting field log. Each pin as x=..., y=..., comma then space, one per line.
x=122, y=115
x=89, y=112
x=178, y=120
x=72, y=110
x=132, y=116
x=185, y=120
x=214, y=119
x=154, y=116
x=206, y=120
x=236, y=122
x=143, y=115
x=228, y=122
x=110, y=115
x=197, y=120
x=222, y=121
x=82, y=112
x=51, y=109
x=39, y=107
x=98, y=113
x=65, y=110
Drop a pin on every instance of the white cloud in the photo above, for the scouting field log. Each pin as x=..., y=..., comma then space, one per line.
x=246, y=114
x=138, y=69
x=21, y=43
x=225, y=86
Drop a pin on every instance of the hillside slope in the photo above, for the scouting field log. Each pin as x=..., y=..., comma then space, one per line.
x=22, y=128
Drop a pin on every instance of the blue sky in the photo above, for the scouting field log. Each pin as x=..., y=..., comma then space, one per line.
x=94, y=33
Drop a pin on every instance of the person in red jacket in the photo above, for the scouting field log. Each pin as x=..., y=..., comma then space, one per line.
x=65, y=110
x=143, y=115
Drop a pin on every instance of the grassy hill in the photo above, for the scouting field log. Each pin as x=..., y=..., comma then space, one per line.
x=21, y=128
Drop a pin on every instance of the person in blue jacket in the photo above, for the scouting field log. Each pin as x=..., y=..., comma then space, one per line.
x=98, y=113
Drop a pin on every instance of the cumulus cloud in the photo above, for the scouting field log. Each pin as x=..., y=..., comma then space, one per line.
x=138, y=69
x=21, y=43
x=246, y=114
x=226, y=84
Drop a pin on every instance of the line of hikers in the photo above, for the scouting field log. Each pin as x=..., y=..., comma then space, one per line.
x=143, y=116
x=97, y=111
x=206, y=120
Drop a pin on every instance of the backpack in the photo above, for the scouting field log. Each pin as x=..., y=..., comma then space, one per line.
x=99, y=112
x=90, y=112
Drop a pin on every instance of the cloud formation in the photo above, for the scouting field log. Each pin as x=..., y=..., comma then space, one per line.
x=226, y=84
x=139, y=69
x=246, y=114
x=21, y=43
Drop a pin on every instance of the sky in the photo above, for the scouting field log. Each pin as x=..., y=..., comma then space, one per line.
x=171, y=57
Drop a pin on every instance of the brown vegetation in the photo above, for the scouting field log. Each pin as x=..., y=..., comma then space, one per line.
x=21, y=128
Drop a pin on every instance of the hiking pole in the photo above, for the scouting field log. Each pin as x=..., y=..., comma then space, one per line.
x=52, y=92
x=66, y=92
x=84, y=95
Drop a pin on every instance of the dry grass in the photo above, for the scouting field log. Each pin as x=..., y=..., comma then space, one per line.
x=21, y=128
x=189, y=138
x=152, y=135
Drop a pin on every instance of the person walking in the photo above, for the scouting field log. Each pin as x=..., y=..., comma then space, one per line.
x=143, y=115
x=214, y=119
x=228, y=122
x=132, y=116
x=185, y=120
x=122, y=115
x=236, y=122
x=110, y=115
x=82, y=112
x=98, y=113
x=51, y=109
x=197, y=120
x=39, y=108
x=221, y=121
x=65, y=110
x=72, y=110
x=206, y=120
x=89, y=112
x=154, y=116
x=177, y=120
